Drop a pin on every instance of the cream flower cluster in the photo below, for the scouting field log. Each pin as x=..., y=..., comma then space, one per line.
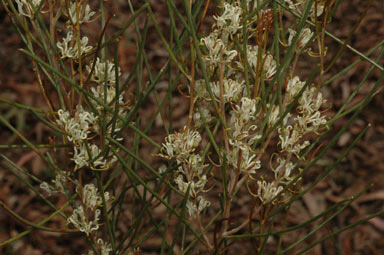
x=80, y=129
x=292, y=135
x=104, y=75
x=243, y=122
x=83, y=127
x=243, y=135
x=73, y=52
x=190, y=174
x=222, y=51
x=91, y=201
x=85, y=15
x=308, y=120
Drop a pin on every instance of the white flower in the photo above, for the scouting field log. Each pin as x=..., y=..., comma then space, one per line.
x=82, y=158
x=283, y=170
x=247, y=110
x=274, y=115
x=267, y=191
x=311, y=122
x=195, y=163
x=104, y=70
x=91, y=197
x=294, y=86
x=67, y=51
x=77, y=128
x=232, y=90
x=181, y=184
x=105, y=247
x=200, y=89
x=316, y=9
x=27, y=7
x=248, y=162
x=98, y=93
x=203, y=203
x=217, y=50
x=84, y=15
x=191, y=207
x=310, y=101
x=162, y=169
x=79, y=220
x=47, y=188
x=181, y=145
x=194, y=187
x=198, y=120
x=289, y=140
x=59, y=182
x=229, y=21
x=302, y=41
x=269, y=64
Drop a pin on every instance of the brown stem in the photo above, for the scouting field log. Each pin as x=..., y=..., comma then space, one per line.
x=203, y=231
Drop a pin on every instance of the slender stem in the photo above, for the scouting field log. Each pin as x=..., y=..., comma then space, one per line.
x=34, y=225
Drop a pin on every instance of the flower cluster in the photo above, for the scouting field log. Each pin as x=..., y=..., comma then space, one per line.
x=80, y=129
x=88, y=117
x=243, y=134
x=308, y=119
x=75, y=51
x=246, y=111
x=85, y=15
x=91, y=200
x=190, y=170
x=82, y=126
x=59, y=184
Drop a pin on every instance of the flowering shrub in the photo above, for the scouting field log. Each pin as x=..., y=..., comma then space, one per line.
x=253, y=121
